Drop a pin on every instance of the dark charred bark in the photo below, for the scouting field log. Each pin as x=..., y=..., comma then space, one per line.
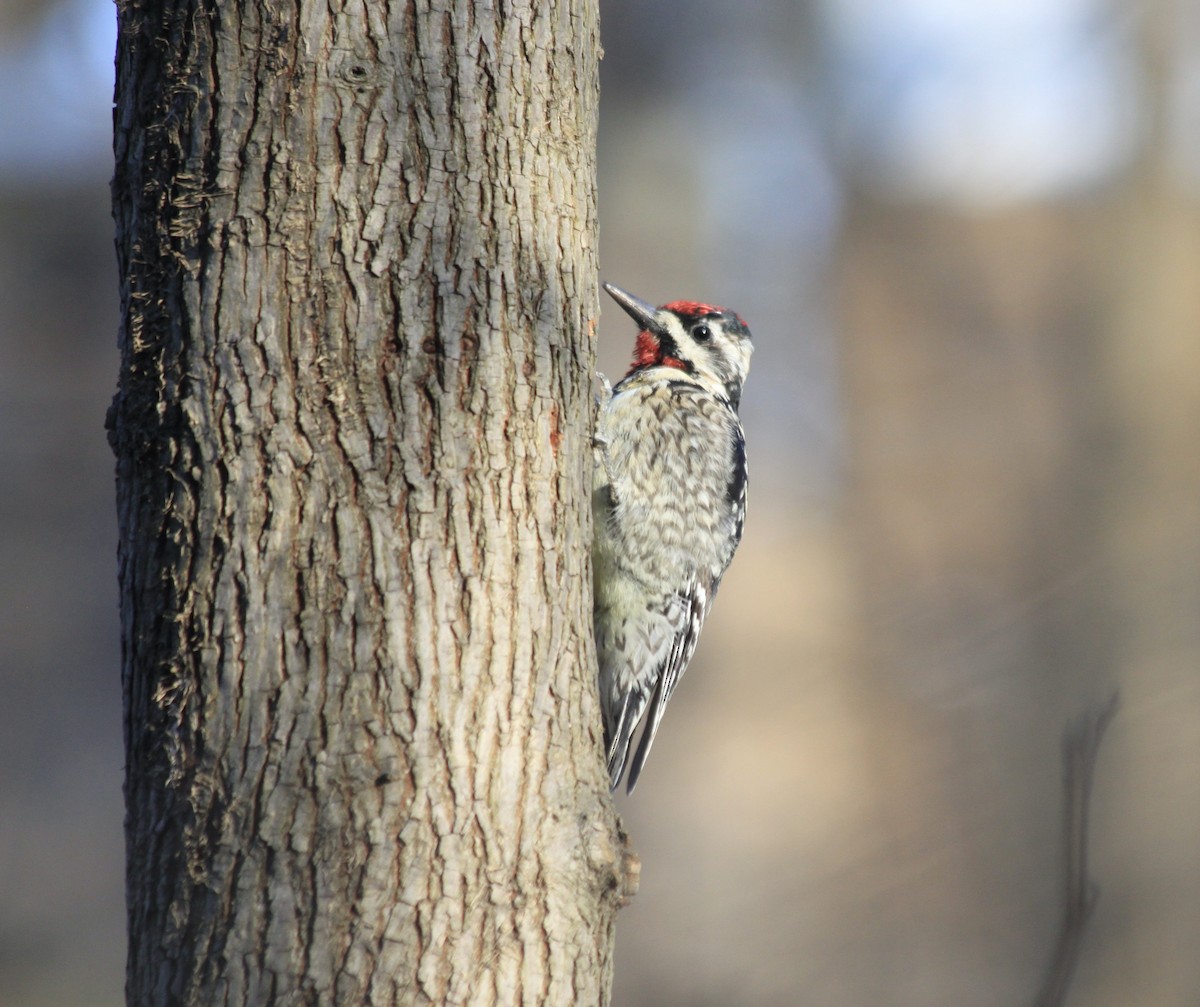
x=357, y=262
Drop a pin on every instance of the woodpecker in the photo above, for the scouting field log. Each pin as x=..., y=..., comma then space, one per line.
x=668, y=506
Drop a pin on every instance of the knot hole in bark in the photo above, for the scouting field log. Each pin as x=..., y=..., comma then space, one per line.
x=615, y=867
x=355, y=71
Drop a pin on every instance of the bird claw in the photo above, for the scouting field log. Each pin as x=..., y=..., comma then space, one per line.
x=606, y=391
x=599, y=441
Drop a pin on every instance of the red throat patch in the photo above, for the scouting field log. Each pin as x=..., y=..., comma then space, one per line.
x=647, y=353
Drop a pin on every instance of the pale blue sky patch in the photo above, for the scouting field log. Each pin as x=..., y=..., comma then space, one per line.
x=56, y=118
x=984, y=102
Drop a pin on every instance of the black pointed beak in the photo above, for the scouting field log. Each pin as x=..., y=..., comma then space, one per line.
x=635, y=307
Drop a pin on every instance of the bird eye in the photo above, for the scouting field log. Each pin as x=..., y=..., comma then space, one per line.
x=702, y=333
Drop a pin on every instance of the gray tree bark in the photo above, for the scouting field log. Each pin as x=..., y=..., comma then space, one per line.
x=357, y=258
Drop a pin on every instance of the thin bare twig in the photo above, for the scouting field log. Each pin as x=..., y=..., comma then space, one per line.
x=1081, y=745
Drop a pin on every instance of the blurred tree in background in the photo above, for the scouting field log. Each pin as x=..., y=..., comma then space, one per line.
x=966, y=238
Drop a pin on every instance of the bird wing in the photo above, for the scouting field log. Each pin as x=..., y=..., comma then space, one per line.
x=688, y=612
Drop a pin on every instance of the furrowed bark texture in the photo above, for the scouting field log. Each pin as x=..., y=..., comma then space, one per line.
x=357, y=254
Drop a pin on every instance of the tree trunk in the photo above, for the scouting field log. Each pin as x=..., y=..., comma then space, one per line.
x=357, y=254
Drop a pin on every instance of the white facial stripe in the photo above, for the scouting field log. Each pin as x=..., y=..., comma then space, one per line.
x=721, y=361
x=685, y=344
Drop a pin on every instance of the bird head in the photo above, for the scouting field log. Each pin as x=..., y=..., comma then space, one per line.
x=709, y=343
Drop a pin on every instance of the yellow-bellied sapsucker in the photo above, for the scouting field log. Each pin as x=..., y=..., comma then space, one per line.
x=668, y=505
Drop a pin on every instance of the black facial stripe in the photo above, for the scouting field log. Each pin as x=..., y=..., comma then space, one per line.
x=730, y=322
x=735, y=326
x=691, y=319
x=670, y=348
x=667, y=344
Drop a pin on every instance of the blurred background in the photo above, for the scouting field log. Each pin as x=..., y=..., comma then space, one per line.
x=966, y=236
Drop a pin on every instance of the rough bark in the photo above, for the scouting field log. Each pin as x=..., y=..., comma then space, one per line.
x=357, y=257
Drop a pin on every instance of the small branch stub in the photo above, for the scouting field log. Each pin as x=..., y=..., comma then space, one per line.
x=1081, y=747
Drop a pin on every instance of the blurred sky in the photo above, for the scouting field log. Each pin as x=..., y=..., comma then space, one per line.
x=58, y=79
x=983, y=101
